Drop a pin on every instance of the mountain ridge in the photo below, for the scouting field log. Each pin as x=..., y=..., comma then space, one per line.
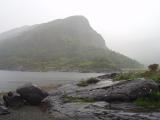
x=69, y=43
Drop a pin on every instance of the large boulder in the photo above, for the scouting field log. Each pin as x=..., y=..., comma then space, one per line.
x=32, y=94
x=118, y=91
x=131, y=90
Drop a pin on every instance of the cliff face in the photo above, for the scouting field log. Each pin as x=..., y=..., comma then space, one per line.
x=68, y=43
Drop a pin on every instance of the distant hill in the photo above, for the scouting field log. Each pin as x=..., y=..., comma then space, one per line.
x=63, y=44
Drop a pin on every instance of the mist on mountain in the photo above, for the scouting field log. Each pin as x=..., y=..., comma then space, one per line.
x=69, y=43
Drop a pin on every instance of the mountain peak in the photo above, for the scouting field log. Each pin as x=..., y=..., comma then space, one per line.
x=78, y=18
x=69, y=43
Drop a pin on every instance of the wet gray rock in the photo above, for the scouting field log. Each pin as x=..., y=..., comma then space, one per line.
x=92, y=111
x=13, y=100
x=73, y=88
x=100, y=108
x=108, y=76
x=127, y=106
x=131, y=90
x=3, y=110
x=118, y=91
x=32, y=94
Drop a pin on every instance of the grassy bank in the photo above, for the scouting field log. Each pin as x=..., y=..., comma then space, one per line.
x=153, y=73
x=152, y=101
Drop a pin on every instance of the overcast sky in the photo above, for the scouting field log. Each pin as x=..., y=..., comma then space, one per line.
x=131, y=27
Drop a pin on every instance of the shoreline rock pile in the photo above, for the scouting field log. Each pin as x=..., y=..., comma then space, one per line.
x=104, y=100
x=100, y=101
x=27, y=94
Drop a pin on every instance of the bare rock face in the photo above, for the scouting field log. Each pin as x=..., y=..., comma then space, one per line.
x=117, y=91
x=131, y=90
x=74, y=110
x=101, y=94
x=92, y=111
x=32, y=94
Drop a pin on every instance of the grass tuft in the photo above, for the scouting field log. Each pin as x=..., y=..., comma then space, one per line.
x=77, y=99
x=153, y=75
x=84, y=83
x=152, y=101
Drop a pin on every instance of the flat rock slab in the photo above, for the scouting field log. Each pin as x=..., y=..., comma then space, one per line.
x=93, y=111
x=101, y=92
x=71, y=88
x=131, y=90
x=114, y=91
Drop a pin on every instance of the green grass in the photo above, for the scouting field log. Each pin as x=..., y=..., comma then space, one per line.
x=152, y=101
x=126, y=76
x=84, y=83
x=152, y=75
x=134, y=75
x=77, y=99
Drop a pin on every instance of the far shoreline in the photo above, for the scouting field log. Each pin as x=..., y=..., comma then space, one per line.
x=10, y=80
x=63, y=71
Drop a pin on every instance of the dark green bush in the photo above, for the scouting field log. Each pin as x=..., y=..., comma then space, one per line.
x=153, y=67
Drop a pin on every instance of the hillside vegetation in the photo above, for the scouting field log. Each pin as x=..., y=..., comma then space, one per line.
x=64, y=44
x=153, y=73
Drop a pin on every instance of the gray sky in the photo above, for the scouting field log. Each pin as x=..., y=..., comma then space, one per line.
x=131, y=27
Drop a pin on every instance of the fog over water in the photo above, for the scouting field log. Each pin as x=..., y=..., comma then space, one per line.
x=130, y=27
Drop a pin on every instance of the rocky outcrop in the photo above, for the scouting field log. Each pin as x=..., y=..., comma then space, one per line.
x=117, y=91
x=93, y=102
x=102, y=105
x=131, y=90
x=32, y=94
x=28, y=94
x=102, y=110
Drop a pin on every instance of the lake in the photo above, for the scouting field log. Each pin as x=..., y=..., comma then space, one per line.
x=10, y=80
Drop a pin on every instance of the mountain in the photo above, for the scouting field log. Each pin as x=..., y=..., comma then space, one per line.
x=14, y=32
x=62, y=44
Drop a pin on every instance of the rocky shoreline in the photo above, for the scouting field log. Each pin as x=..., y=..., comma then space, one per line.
x=104, y=100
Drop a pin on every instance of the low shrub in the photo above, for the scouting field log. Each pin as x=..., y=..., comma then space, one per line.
x=126, y=76
x=153, y=67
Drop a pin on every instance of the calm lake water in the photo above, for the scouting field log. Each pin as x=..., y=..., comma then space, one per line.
x=10, y=80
